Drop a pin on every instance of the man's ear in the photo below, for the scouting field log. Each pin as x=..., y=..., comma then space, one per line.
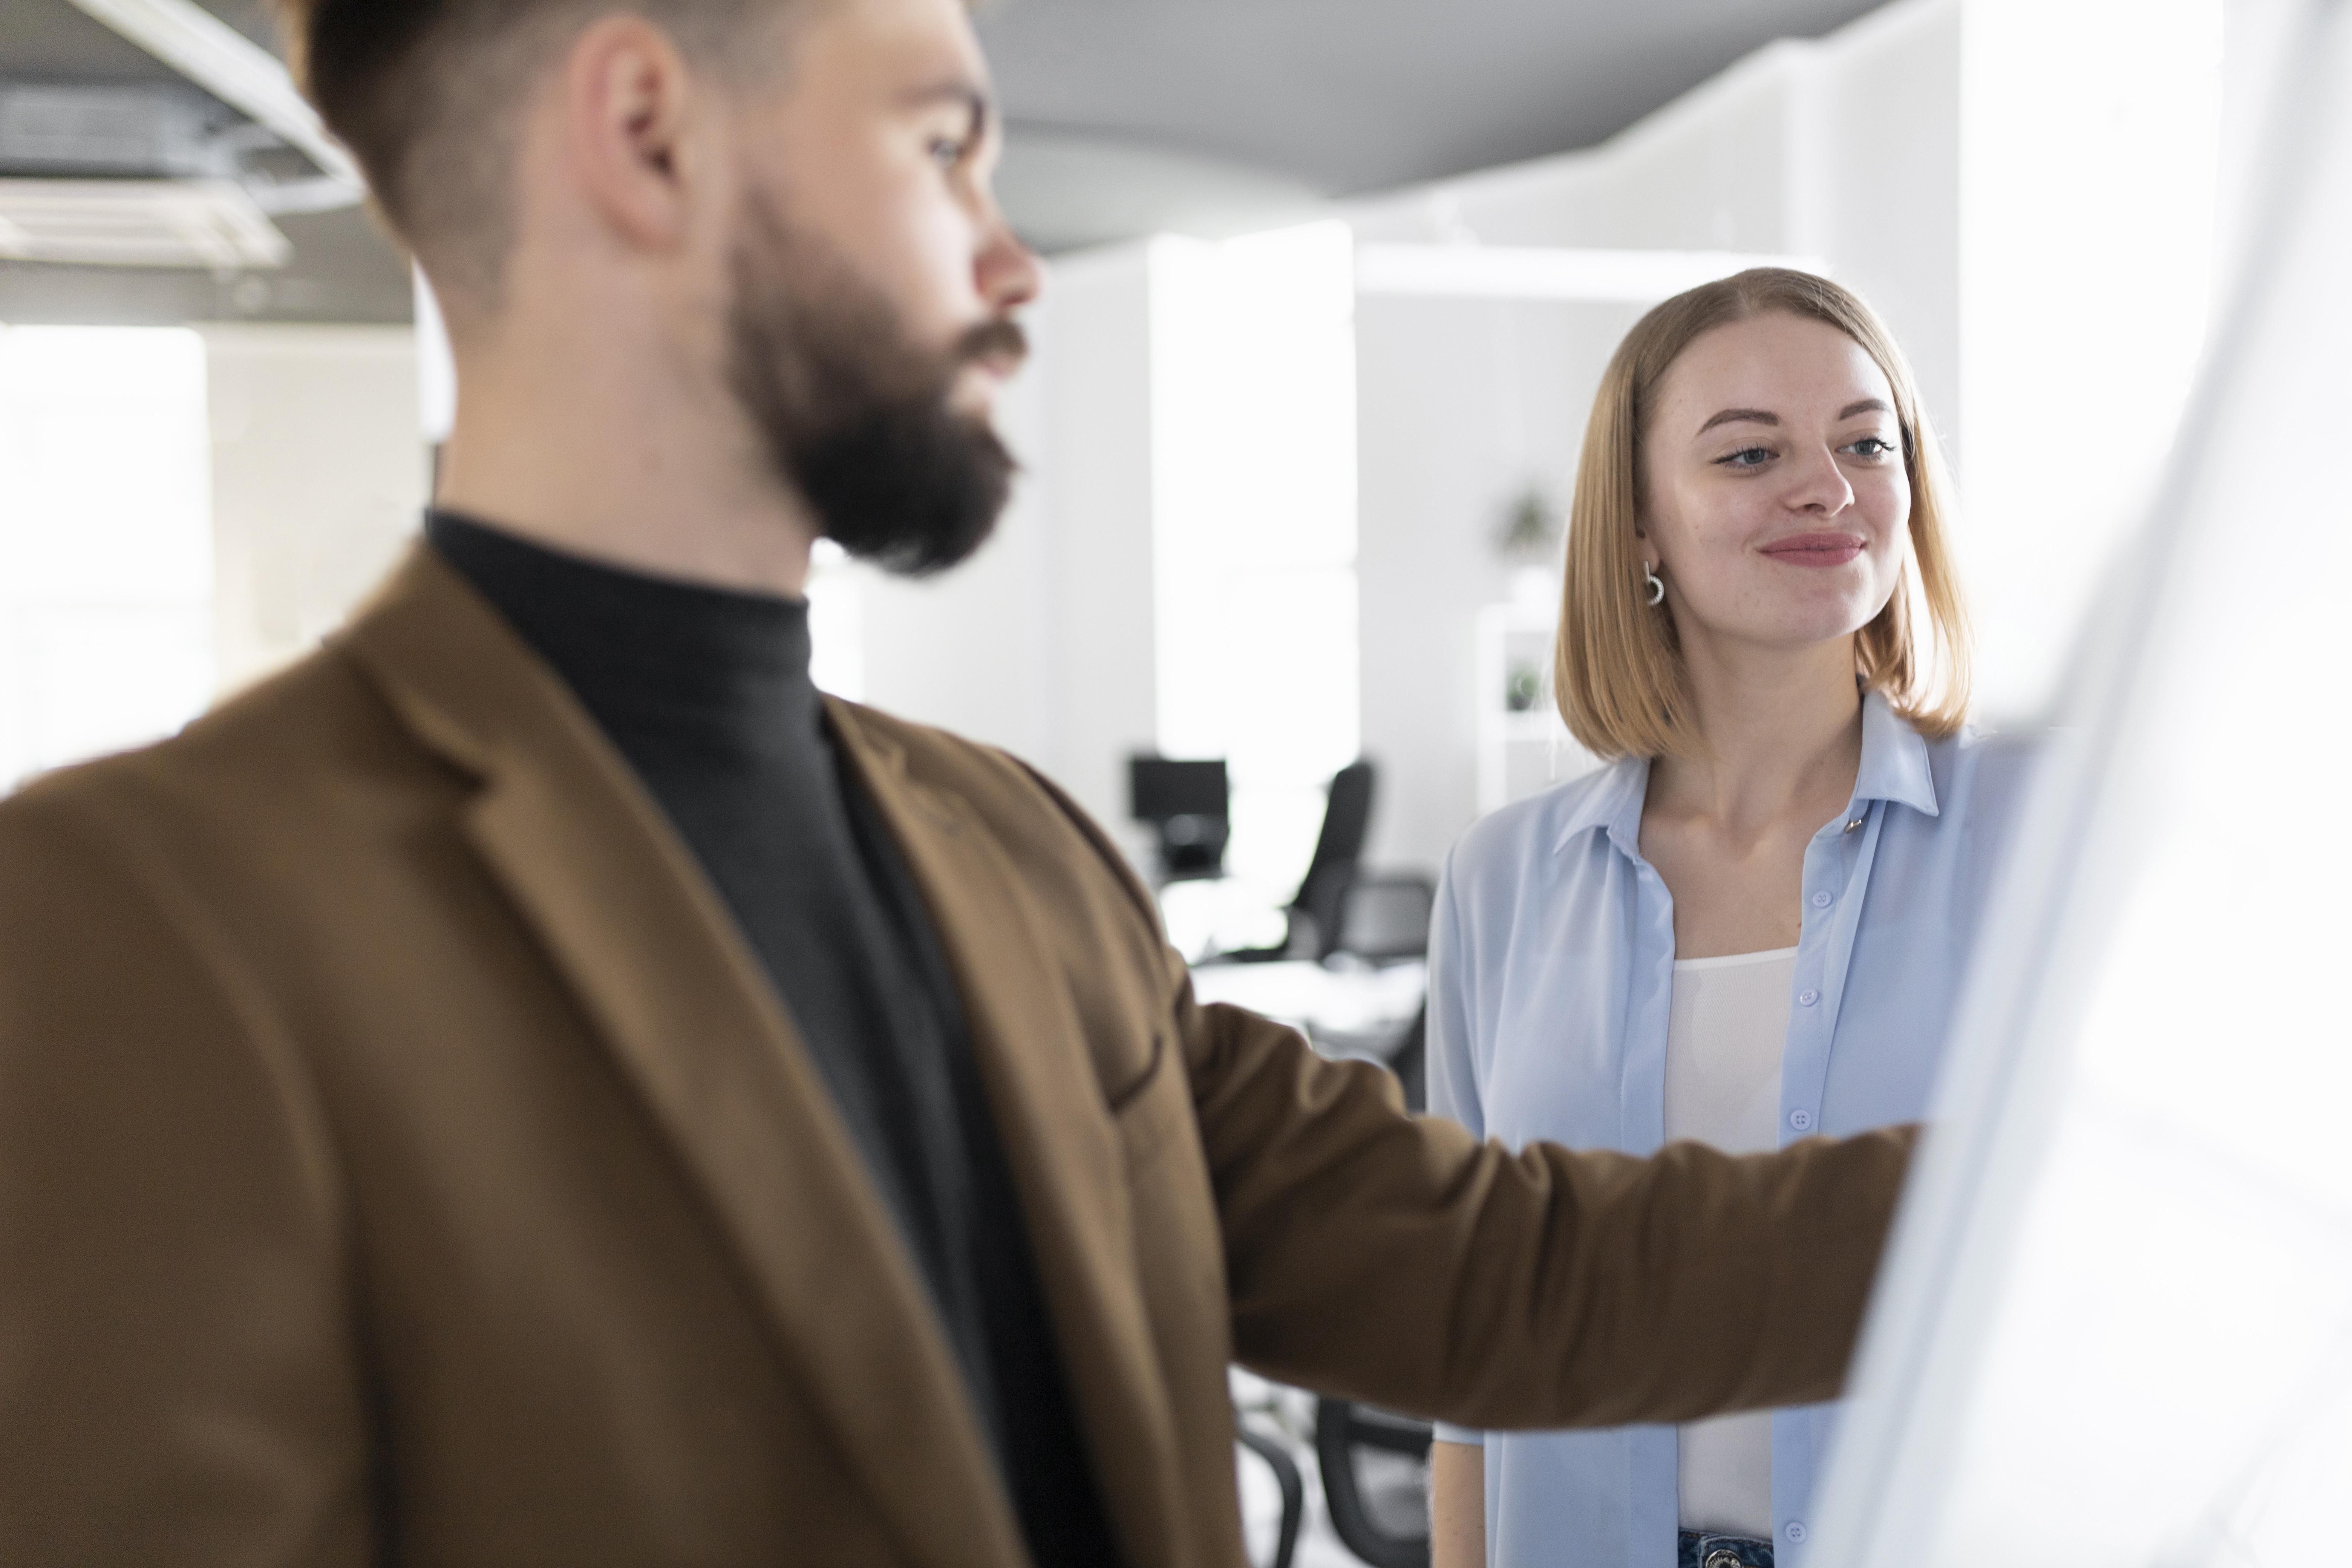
x=629, y=109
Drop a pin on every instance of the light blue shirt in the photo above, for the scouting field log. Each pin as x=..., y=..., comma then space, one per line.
x=1551, y=968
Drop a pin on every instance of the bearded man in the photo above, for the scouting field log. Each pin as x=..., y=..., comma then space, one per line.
x=535, y=1082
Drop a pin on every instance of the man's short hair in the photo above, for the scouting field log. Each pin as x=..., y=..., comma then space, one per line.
x=427, y=94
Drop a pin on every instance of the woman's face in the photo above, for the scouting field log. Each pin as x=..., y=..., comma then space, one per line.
x=1776, y=508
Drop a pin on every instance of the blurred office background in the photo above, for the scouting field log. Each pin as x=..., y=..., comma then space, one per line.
x=1330, y=285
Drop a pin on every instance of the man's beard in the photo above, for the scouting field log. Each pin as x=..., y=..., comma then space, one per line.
x=853, y=416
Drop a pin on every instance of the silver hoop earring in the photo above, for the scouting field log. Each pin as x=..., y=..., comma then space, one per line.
x=1657, y=585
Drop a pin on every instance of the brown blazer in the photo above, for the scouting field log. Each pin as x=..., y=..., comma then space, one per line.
x=403, y=1159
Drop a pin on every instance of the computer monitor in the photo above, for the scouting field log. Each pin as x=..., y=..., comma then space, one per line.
x=1187, y=802
x=2115, y=1327
x=1160, y=788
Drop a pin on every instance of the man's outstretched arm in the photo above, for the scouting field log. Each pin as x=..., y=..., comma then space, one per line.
x=1399, y=1260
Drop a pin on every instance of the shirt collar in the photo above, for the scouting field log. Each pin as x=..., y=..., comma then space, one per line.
x=1894, y=767
x=1893, y=760
x=1611, y=803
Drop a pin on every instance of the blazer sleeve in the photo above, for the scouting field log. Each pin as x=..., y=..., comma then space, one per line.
x=1405, y=1262
x=177, y=1380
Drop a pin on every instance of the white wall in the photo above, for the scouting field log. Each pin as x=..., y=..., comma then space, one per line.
x=106, y=571
x=320, y=478
x=2091, y=138
x=1044, y=643
x=1461, y=404
x=974, y=651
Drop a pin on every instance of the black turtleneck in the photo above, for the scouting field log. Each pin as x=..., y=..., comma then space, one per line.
x=707, y=694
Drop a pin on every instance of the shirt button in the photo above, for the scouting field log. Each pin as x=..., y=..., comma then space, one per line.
x=1797, y=1531
x=1802, y=1121
x=1821, y=901
x=1807, y=997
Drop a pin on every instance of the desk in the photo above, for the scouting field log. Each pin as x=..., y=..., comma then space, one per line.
x=1351, y=1010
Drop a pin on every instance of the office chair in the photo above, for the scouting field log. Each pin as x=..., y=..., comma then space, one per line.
x=1286, y=1477
x=1315, y=911
x=1386, y=918
x=1388, y=1528
x=1338, y=850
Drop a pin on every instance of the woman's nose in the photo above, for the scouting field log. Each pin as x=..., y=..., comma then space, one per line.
x=1818, y=485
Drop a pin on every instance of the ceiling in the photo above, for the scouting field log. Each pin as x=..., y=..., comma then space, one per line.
x=1347, y=96
x=1123, y=116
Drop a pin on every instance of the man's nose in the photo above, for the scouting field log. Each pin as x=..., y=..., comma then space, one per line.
x=1006, y=272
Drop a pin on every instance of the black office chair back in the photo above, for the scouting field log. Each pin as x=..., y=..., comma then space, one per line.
x=1380, y=1514
x=1384, y=918
x=1338, y=850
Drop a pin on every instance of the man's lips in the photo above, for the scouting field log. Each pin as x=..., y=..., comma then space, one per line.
x=995, y=347
x=1815, y=549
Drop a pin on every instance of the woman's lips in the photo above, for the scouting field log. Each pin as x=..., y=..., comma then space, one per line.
x=1815, y=549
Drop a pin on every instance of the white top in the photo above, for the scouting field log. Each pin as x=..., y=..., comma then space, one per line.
x=1724, y=1030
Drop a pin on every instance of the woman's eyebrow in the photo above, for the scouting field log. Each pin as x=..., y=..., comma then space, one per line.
x=1867, y=406
x=1740, y=416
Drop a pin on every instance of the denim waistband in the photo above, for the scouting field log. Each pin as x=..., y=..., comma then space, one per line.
x=1701, y=1550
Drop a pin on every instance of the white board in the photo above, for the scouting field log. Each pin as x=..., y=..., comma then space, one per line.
x=2116, y=1323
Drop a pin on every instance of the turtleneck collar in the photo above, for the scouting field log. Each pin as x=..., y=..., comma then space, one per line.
x=648, y=656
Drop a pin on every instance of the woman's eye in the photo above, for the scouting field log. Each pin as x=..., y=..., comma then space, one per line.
x=1872, y=447
x=947, y=152
x=1746, y=458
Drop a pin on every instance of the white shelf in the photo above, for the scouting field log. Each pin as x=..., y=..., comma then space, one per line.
x=1521, y=752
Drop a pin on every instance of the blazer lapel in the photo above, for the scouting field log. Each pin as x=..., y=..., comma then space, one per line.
x=1067, y=1161
x=641, y=936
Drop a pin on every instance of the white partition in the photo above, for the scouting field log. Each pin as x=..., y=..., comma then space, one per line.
x=320, y=476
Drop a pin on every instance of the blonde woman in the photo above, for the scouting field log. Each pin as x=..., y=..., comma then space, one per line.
x=1751, y=928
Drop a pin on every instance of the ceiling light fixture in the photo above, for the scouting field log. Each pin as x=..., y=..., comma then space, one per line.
x=247, y=77
x=137, y=223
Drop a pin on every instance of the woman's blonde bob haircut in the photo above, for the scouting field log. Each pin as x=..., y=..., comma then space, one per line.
x=1620, y=677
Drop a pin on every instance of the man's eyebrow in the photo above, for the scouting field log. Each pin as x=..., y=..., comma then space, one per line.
x=957, y=90
x=1867, y=406
x=1740, y=416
